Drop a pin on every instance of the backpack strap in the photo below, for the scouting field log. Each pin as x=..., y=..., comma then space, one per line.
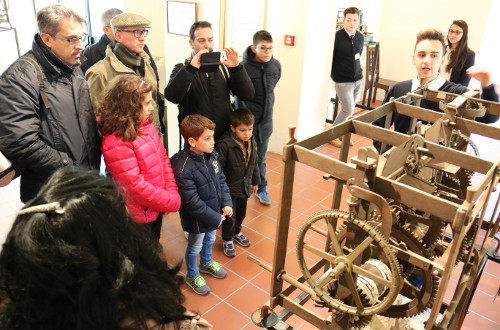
x=225, y=72
x=39, y=76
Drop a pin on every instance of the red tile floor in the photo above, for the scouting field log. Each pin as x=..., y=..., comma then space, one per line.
x=246, y=287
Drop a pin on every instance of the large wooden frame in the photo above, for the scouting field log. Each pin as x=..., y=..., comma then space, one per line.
x=460, y=216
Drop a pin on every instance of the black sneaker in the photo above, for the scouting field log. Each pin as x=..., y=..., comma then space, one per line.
x=229, y=248
x=241, y=239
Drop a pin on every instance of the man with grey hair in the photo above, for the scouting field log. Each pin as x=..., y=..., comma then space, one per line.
x=125, y=56
x=96, y=52
x=46, y=118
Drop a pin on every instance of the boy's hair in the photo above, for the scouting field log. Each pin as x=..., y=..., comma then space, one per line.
x=430, y=34
x=351, y=10
x=241, y=116
x=121, y=110
x=193, y=126
x=262, y=35
x=198, y=25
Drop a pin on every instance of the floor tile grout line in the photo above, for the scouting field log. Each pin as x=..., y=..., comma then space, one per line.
x=484, y=317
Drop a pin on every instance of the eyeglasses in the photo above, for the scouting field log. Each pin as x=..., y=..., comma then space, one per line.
x=72, y=41
x=265, y=49
x=458, y=32
x=137, y=33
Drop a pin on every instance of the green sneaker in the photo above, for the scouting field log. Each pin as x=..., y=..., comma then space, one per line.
x=198, y=284
x=214, y=268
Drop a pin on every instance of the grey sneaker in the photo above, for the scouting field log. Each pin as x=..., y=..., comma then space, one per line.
x=214, y=268
x=229, y=248
x=241, y=239
x=198, y=284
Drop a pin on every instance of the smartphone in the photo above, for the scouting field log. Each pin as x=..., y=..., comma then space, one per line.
x=210, y=61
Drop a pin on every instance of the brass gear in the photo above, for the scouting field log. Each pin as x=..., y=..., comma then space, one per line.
x=344, y=263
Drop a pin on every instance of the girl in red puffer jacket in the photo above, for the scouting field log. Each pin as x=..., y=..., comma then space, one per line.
x=133, y=153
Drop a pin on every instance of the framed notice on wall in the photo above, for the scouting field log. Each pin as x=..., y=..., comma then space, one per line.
x=180, y=16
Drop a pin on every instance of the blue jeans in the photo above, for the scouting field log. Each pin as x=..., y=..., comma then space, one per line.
x=348, y=93
x=199, y=244
x=262, y=146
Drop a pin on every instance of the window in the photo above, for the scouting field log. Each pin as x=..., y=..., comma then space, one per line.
x=91, y=10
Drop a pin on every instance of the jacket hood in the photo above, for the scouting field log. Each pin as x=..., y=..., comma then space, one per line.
x=193, y=155
x=249, y=56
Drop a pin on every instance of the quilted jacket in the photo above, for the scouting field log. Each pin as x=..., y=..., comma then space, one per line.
x=203, y=189
x=143, y=171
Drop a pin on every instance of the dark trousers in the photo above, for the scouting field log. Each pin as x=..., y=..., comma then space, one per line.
x=155, y=227
x=232, y=226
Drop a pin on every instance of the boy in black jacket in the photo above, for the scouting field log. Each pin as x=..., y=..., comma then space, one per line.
x=205, y=198
x=238, y=159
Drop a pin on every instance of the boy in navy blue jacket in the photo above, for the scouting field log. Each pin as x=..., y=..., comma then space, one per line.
x=205, y=198
x=238, y=159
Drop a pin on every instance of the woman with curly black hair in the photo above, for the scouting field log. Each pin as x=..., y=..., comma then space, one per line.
x=458, y=57
x=74, y=259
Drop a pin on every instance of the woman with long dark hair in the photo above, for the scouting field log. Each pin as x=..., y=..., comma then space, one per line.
x=459, y=57
x=75, y=259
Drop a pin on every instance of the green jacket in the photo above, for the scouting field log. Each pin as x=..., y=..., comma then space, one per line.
x=101, y=73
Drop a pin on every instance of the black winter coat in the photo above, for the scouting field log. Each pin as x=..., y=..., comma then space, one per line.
x=240, y=177
x=42, y=140
x=207, y=94
x=203, y=189
x=264, y=78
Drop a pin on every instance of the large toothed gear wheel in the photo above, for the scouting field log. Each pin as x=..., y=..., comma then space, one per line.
x=415, y=300
x=345, y=263
x=426, y=228
x=461, y=141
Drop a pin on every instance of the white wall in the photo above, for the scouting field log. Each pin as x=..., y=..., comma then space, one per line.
x=302, y=93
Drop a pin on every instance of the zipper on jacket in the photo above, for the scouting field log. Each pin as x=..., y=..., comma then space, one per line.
x=212, y=181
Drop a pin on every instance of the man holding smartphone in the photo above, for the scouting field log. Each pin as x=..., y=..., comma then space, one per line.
x=208, y=93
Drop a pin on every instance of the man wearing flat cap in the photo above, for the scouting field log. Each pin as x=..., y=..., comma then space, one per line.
x=125, y=56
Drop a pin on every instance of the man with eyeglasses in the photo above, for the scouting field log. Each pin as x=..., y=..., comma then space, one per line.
x=208, y=94
x=96, y=52
x=125, y=56
x=46, y=119
x=264, y=71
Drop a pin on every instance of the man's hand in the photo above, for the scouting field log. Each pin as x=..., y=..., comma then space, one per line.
x=480, y=74
x=254, y=189
x=227, y=211
x=196, y=59
x=232, y=58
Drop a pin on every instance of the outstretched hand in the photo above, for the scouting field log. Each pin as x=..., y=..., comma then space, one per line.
x=232, y=58
x=480, y=74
